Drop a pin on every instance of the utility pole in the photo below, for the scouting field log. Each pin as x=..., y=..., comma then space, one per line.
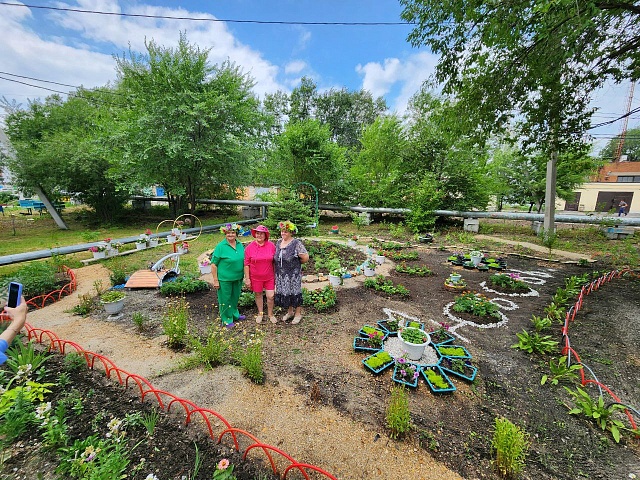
x=625, y=124
x=550, y=196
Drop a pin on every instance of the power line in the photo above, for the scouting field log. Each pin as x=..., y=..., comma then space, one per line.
x=54, y=83
x=195, y=19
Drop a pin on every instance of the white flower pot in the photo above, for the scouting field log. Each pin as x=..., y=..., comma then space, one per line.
x=414, y=350
x=112, y=252
x=171, y=239
x=182, y=250
x=113, y=307
x=97, y=255
x=335, y=280
x=369, y=272
x=205, y=269
x=141, y=246
x=183, y=236
x=455, y=277
x=379, y=259
x=476, y=260
x=153, y=242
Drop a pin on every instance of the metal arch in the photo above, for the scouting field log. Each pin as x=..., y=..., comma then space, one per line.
x=303, y=197
x=175, y=223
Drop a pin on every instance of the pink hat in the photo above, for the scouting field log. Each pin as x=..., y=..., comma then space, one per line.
x=260, y=228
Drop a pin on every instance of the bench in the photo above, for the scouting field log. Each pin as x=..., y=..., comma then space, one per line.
x=26, y=204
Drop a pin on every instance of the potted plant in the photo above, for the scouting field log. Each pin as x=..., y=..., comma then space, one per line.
x=437, y=379
x=99, y=250
x=112, y=301
x=370, y=339
x=335, y=276
x=460, y=367
x=370, y=268
x=476, y=257
x=379, y=259
x=181, y=235
x=205, y=266
x=173, y=236
x=391, y=325
x=378, y=362
x=353, y=241
x=441, y=335
x=114, y=248
x=405, y=372
x=414, y=341
x=183, y=247
x=335, y=230
x=153, y=242
x=141, y=242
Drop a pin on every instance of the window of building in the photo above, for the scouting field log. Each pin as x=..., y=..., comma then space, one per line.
x=629, y=178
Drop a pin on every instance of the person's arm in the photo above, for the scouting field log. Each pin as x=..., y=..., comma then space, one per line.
x=18, y=316
x=214, y=274
x=247, y=280
x=302, y=253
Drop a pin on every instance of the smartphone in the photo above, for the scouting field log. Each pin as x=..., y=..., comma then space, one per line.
x=15, y=292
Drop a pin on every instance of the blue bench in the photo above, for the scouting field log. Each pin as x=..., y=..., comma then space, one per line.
x=31, y=205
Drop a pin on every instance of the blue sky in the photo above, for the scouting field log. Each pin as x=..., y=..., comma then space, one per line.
x=77, y=48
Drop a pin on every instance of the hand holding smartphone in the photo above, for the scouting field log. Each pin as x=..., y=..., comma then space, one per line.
x=15, y=293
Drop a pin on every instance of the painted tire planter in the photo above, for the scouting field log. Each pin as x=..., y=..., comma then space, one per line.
x=414, y=350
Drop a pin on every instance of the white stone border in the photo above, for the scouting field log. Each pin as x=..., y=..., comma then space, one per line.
x=530, y=293
x=461, y=323
x=509, y=304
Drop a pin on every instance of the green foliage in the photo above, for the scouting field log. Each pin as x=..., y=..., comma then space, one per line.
x=111, y=296
x=597, y=411
x=215, y=119
x=37, y=278
x=476, y=304
x=415, y=271
x=535, y=342
x=249, y=357
x=401, y=256
x=149, y=421
x=436, y=379
x=93, y=458
x=175, y=322
x=24, y=359
x=413, y=335
x=398, y=416
x=509, y=281
x=288, y=207
x=86, y=305
x=451, y=351
x=510, y=444
x=213, y=351
x=541, y=324
x=561, y=370
x=118, y=276
x=16, y=415
x=379, y=284
x=321, y=299
x=139, y=320
x=378, y=359
x=74, y=362
x=184, y=284
x=247, y=299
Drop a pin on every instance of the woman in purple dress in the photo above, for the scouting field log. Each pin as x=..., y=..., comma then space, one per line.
x=290, y=255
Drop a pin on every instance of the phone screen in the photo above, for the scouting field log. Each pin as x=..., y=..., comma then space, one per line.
x=15, y=290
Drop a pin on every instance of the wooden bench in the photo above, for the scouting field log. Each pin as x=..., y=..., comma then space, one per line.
x=26, y=204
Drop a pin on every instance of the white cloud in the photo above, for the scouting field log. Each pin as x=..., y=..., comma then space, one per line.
x=397, y=79
x=295, y=67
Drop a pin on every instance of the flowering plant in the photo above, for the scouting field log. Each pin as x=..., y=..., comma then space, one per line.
x=476, y=253
x=205, y=263
x=107, y=241
x=185, y=246
x=143, y=238
x=375, y=339
x=230, y=227
x=224, y=470
x=147, y=231
x=413, y=335
x=98, y=248
x=117, y=245
x=407, y=371
x=288, y=226
x=355, y=238
x=371, y=264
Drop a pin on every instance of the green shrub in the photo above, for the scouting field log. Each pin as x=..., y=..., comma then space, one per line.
x=250, y=358
x=184, y=284
x=535, y=343
x=118, y=276
x=398, y=416
x=247, y=299
x=476, y=304
x=112, y=296
x=321, y=299
x=510, y=444
x=288, y=207
x=174, y=322
x=37, y=278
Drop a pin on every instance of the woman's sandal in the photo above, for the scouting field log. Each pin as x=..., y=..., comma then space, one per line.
x=296, y=320
x=273, y=319
x=259, y=317
x=287, y=317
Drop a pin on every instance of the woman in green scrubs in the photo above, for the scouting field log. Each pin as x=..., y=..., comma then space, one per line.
x=227, y=269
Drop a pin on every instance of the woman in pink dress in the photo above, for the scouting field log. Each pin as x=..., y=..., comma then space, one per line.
x=258, y=270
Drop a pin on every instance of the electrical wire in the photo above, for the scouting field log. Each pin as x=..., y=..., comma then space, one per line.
x=196, y=19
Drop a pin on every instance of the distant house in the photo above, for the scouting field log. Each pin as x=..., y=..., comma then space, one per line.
x=614, y=182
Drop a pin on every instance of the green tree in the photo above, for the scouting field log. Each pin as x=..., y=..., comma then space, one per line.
x=631, y=147
x=62, y=147
x=304, y=153
x=190, y=126
x=376, y=175
x=537, y=60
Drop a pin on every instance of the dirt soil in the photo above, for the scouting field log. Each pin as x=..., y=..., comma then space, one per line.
x=322, y=407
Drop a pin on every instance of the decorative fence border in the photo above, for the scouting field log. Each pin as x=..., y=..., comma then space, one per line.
x=568, y=350
x=52, y=297
x=164, y=399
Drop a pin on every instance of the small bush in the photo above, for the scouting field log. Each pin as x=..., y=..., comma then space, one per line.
x=174, y=323
x=510, y=444
x=398, y=416
x=184, y=284
x=37, y=278
x=321, y=299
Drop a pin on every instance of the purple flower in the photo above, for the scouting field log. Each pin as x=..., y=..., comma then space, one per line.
x=403, y=373
x=401, y=360
x=415, y=374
